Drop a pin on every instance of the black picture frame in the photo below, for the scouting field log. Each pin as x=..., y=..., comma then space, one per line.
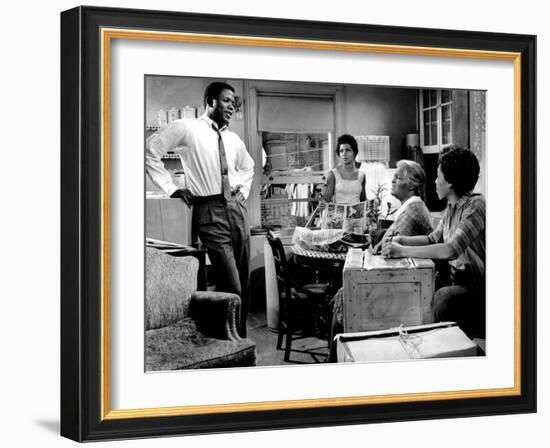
x=83, y=216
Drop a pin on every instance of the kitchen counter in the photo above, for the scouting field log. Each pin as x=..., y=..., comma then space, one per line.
x=168, y=220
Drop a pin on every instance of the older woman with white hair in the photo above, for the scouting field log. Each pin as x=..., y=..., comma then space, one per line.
x=413, y=217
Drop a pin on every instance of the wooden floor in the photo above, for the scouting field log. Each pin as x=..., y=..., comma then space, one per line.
x=268, y=355
x=266, y=341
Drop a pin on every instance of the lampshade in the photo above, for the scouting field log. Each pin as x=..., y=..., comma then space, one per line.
x=412, y=140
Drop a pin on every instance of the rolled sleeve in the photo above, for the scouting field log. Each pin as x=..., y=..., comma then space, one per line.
x=245, y=168
x=158, y=144
x=437, y=235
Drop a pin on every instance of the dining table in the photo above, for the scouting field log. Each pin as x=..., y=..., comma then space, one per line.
x=319, y=266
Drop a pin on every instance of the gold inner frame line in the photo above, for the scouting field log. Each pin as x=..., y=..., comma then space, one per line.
x=107, y=35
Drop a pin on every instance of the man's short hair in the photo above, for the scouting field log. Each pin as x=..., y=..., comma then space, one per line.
x=213, y=90
x=460, y=168
x=350, y=140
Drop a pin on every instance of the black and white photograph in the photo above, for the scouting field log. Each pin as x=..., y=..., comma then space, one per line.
x=305, y=223
x=236, y=171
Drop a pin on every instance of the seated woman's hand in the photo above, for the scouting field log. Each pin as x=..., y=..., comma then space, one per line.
x=375, y=249
x=391, y=249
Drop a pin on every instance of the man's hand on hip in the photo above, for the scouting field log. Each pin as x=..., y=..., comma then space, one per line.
x=238, y=193
x=185, y=195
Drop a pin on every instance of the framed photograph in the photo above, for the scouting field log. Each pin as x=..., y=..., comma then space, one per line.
x=194, y=146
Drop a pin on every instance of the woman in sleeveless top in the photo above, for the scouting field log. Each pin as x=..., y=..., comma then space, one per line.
x=345, y=183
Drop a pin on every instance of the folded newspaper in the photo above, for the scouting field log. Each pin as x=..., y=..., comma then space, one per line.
x=328, y=240
x=352, y=218
x=318, y=239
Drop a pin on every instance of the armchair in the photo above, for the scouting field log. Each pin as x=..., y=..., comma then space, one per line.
x=185, y=328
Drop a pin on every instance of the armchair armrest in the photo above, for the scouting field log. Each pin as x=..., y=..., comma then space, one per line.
x=215, y=314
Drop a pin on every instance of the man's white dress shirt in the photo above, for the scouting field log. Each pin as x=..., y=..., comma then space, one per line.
x=202, y=160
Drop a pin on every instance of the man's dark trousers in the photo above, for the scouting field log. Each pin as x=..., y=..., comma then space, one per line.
x=222, y=227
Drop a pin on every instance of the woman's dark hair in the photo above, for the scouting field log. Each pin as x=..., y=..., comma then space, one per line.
x=350, y=140
x=460, y=168
x=213, y=90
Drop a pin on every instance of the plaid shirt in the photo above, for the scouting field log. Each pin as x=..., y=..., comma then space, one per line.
x=463, y=228
x=414, y=219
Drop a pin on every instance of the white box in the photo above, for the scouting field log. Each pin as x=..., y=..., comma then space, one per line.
x=441, y=340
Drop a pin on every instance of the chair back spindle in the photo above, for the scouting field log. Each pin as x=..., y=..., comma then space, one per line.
x=283, y=279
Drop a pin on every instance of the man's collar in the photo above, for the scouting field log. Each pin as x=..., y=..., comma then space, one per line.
x=213, y=123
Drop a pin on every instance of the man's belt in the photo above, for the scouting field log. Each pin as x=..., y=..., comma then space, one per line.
x=212, y=197
x=205, y=199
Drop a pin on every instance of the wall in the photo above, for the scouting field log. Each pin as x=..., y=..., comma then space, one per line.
x=380, y=111
x=367, y=110
x=165, y=92
x=30, y=250
x=460, y=114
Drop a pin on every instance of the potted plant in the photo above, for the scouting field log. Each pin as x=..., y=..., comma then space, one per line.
x=377, y=221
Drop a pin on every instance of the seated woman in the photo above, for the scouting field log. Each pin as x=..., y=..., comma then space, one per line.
x=459, y=238
x=412, y=218
x=345, y=183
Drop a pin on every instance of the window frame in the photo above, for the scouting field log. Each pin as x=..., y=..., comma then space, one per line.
x=436, y=148
x=252, y=90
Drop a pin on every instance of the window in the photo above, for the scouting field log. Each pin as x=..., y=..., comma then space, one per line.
x=291, y=130
x=295, y=130
x=436, y=125
x=295, y=164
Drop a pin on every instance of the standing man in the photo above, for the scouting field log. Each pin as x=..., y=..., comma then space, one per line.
x=219, y=176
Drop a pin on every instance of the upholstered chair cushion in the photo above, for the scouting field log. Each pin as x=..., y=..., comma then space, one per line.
x=181, y=346
x=169, y=283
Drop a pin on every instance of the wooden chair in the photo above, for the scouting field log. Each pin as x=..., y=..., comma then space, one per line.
x=303, y=308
